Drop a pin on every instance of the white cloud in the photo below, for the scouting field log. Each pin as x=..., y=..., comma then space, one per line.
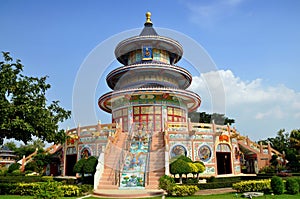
x=259, y=109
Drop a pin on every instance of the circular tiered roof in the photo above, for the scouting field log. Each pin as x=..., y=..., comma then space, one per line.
x=182, y=78
x=148, y=37
x=153, y=76
x=188, y=98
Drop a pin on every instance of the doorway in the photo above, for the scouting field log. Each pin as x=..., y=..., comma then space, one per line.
x=224, y=163
x=70, y=162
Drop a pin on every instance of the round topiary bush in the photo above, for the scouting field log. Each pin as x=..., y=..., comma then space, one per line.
x=167, y=183
x=13, y=167
x=277, y=185
x=31, y=166
x=292, y=186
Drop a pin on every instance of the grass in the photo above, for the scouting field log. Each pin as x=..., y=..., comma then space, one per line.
x=215, y=196
x=27, y=197
x=226, y=196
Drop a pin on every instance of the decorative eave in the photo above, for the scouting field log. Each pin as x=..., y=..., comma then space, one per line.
x=155, y=41
x=113, y=77
x=191, y=99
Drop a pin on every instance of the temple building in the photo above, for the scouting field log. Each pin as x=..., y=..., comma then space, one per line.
x=149, y=105
x=7, y=157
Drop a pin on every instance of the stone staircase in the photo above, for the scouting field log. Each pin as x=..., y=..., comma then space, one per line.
x=157, y=161
x=112, y=156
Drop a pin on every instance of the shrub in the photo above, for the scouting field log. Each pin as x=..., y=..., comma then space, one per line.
x=298, y=180
x=179, y=167
x=277, y=185
x=211, y=179
x=49, y=190
x=184, y=190
x=16, y=173
x=292, y=186
x=215, y=185
x=267, y=169
x=3, y=171
x=13, y=167
x=6, y=188
x=191, y=181
x=16, y=179
x=253, y=185
x=70, y=190
x=86, y=188
x=167, y=183
x=25, y=189
x=47, y=178
x=32, y=166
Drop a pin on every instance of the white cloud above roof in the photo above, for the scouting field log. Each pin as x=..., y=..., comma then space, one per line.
x=253, y=104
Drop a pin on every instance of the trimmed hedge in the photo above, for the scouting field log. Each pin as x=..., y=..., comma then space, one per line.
x=215, y=185
x=31, y=189
x=25, y=189
x=277, y=185
x=5, y=188
x=292, y=186
x=184, y=190
x=25, y=179
x=167, y=183
x=253, y=185
x=71, y=181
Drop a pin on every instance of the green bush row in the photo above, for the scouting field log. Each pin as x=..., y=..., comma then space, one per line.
x=43, y=189
x=168, y=184
x=292, y=185
x=253, y=185
x=184, y=190
x=28, y=179
x=215, y=185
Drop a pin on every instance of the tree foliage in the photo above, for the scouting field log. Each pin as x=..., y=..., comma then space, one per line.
x=24, y=109
x=184, y=165
x=203, y=117
x=42, y=160
x=289, y=145
x=86, y=165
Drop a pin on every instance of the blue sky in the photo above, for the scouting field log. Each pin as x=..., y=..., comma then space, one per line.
x=254, y=44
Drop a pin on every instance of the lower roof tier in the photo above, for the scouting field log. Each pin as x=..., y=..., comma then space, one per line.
x=115, y=99
x=138, y=75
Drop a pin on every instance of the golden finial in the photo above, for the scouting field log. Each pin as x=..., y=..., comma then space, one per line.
x=148, y=17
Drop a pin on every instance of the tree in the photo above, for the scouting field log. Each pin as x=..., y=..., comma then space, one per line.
x=281, y=141
x=289, y=145
x=179, y=167
x=184, y=165
x=11, y=145
x=24, y=109
x=295, y=139
x=203, y=117
x=42, y=160
x=200, y=166
x=86, y=166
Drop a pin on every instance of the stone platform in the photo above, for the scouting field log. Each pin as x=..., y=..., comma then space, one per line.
x=128, y=193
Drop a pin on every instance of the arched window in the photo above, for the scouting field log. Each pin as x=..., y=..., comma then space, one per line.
x=178, y=150
x=204, y=153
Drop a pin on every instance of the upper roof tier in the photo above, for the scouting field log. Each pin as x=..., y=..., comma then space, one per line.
x=148, y=40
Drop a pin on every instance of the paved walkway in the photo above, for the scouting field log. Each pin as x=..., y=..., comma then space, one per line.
x=215, y=191
x=151, y=193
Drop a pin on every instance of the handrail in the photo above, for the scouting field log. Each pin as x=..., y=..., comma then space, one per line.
x=122, y=157
x=147, y=173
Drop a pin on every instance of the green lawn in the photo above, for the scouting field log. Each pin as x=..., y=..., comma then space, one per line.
x=227, y=196
x=216, y=196
x=27, y=197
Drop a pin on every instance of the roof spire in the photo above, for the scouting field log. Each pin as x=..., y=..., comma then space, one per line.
x=148, y=18
x=148, y=29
